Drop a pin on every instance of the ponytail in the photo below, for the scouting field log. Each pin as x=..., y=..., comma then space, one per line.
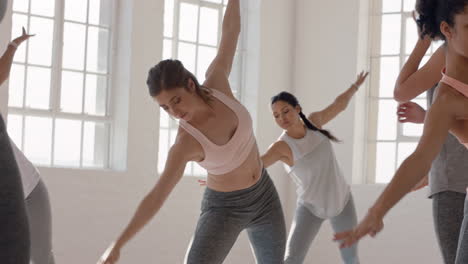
x=311, y=126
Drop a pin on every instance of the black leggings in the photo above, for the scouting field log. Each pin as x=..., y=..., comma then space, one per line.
x=14, y=232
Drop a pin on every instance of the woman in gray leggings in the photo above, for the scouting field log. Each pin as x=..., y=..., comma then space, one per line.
x=448, y=176
x=216, y=131
x=307, y=153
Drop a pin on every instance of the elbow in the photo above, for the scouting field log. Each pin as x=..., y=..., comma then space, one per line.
x=399, y=96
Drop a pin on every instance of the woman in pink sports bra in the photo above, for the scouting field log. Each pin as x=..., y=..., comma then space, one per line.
x=215, y=131
x=439, y=19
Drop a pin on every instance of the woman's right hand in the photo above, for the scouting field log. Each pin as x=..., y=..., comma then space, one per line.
x=111, y=255
x=426, y=39
x=411, y=113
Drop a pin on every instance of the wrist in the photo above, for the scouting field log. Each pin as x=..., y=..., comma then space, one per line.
x=376, y=211
x=355, y=86
x=13, y=45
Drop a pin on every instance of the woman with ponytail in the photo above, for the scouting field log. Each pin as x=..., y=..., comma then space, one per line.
x=307, y=153
x=446, y=20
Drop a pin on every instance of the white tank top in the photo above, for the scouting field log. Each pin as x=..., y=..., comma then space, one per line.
x=321, y=186
x=29, y=174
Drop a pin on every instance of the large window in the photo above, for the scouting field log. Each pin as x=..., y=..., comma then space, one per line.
x=58, y=107
x=192, y=31
x=393, y=38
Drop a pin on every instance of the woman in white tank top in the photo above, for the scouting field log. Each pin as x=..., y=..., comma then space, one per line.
x=307, y=154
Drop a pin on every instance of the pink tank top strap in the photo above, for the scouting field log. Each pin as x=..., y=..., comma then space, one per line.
x=454, y=83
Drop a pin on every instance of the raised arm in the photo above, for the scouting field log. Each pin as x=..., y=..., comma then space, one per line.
x=7, y=57
x=278, y=151
x=411, y=82
x=153, y=201
x=231, y=28
x=438, y=122
x=324, y=116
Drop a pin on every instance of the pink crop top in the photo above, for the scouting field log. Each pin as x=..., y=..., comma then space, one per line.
x=457, y=85
x=223, y=159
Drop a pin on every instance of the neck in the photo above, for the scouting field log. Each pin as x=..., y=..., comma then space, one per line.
x=456, y=65
x=297, y=131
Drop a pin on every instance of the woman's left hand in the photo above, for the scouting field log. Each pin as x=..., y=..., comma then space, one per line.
x=370, y=225
x=22, y=38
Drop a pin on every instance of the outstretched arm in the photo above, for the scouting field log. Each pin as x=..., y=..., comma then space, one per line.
x=278, y=151
x=324, y=116
x=412, y=170
x=222, y=63
x=7, y=57
x=151, y=204
x=412, y=82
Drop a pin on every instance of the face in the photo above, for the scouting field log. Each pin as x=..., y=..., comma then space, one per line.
x=285, y=114
x=179, y=103
x=457, y=36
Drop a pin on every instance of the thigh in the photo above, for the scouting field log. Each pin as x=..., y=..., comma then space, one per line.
x=462, y=249
x=40, y=225
x=215, y=234
x=447, y=210
x=267, y=234
x=14, y=238
x=303, y=230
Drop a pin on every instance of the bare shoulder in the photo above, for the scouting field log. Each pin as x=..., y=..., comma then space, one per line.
x=452, y=101
x=217, y=79
x=281, y=147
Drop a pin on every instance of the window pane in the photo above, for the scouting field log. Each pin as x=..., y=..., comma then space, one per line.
x=387, y=122
x=16, y=86
x=167, y=49
x=67, y=143
x=100, y=12
x=404, y=150
x=186, y=54
x=95, y=144
x=18, y=22
x=391, y=5
x=385, y=165
x=390, y=36
x=188, y=22
x=21, y=5
x=209, y=20
x=40, y=46
x=163, y=148
x=409, y=5
x=73, y=46
x=96, y=94
x=214, y=1
x=389, y=70
x=163, y=119
x=168, y=17
x=38, y=87
x=76, y=10
x=98, y=48
x=205, y=57
x=38, y=139
x=43, y=7
x=71, y=96
x=411, y=35
x=15, y=128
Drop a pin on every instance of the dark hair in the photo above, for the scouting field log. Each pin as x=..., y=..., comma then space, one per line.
x=434, y=12
x=170, y=74
x=292, y=100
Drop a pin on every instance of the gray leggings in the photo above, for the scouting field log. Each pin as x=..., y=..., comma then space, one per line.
x=306, y=226
x=447, y=211
x=462, y=250
x=225, y=214
x=14, y=233
x=40, y=226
